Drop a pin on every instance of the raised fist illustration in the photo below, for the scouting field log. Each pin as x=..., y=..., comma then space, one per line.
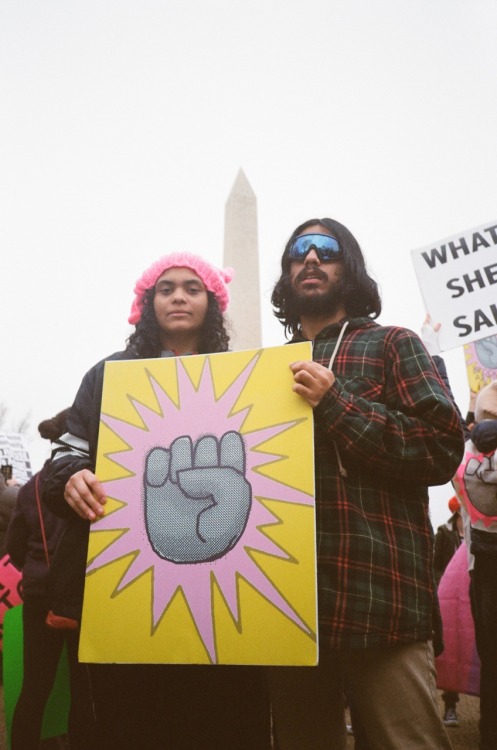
x=480, y=480
x=486, y=350
x=197, y=499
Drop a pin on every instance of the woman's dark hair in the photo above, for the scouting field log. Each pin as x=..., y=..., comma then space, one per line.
x=359, y=290
x=145, y=341
x=52, y=429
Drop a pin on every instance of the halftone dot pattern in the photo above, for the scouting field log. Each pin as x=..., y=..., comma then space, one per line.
x=197, y=499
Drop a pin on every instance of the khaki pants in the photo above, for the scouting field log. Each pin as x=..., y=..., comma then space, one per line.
x=393, y=689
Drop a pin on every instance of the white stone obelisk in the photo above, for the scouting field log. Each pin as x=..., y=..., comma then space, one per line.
x=241, y=251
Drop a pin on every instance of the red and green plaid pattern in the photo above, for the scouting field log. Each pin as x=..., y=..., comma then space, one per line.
x=397, y=432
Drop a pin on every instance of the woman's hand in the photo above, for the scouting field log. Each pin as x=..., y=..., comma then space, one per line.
x=312, y=381
x=85, y=495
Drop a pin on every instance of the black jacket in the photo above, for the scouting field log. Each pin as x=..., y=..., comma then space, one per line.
x=24, y=537
x=82, y=422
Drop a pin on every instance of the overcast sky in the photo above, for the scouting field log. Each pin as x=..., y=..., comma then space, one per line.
x=124, y=122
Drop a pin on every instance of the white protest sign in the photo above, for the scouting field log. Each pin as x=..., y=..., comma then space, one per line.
x=13, y=451
x=458, y=280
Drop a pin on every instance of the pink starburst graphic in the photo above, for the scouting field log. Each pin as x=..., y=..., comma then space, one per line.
x=171, y=421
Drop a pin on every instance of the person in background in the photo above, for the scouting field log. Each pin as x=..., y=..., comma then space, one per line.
x=429, y=337
x=448, y=539
x=385, y=429
x=9, y=489
x=177, y=310
x=32, y=537
x=476, y=486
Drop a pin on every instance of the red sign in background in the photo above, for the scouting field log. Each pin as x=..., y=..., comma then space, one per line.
x=10, y=589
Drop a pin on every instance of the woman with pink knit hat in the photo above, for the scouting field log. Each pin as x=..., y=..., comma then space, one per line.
x=178, y=309
x=164, y=320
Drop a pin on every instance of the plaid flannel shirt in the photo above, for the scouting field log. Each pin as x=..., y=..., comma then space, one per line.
x=396, y=431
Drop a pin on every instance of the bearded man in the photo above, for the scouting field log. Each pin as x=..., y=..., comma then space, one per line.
x=385, y=429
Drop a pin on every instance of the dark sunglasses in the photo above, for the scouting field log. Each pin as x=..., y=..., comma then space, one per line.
x=326, y=247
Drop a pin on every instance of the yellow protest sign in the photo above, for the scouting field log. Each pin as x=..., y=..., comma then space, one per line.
x=206, y=553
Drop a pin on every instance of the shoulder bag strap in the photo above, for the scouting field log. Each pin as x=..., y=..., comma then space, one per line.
x=40, y=514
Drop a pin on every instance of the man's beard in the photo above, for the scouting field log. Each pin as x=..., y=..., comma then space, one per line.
x=314, y=305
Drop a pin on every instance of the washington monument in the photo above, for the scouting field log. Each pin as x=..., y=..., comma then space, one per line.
x=241, y=251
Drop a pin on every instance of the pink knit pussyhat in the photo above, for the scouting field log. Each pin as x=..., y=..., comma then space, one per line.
x=214, y=279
